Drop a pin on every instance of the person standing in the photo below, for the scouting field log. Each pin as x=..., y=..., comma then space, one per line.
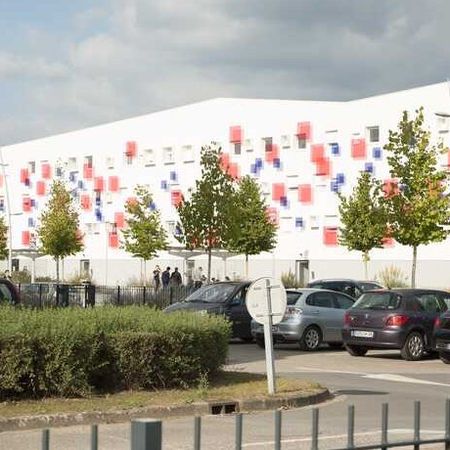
x=156, y=278
x=165, y=277
x=198, y=277
x=175, y=278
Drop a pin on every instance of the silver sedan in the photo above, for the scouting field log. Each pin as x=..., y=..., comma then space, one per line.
x=313, y=316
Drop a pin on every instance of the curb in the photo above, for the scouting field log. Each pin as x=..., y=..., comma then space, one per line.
x=193, y=409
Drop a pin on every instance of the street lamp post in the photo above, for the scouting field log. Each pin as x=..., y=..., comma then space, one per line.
x=8, y=205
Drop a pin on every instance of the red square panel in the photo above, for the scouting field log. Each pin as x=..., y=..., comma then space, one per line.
x=98, y=184
x=390, y=188
x=113, y=183
x=278, y=191
x=26, y=237
x=359, y=148
x=176, y=197
x=46, y=171
x=304, y=130
x=317, y=152
x=236, y=134
x=113, y=240
x=330, y=236
x=119, y=219
x=233, y=170
x=271, y=152
x=26, y=204
x=88, y=172
x=24, y=175
x=131, y=201
x=40, y=188
x=305, y=193
x=131, y=149
x=323, y=167
x=1, y=181
x=85, y=201
x=224, y=160
x=272, y=215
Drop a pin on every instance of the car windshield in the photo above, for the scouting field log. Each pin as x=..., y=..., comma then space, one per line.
x=365, y=286
x=378, y=300
x=212, y=293
x=292, y=297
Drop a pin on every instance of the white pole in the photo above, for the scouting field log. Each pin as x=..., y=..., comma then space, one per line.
x=268, y=341
x=106, y=253
x=8, y=205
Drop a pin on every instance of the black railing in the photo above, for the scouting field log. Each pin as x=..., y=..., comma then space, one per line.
x=41, y=295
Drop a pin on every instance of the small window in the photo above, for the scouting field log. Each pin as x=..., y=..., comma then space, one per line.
x=110, y=162
x=149, y=157
x=267, y=144
x=374, y=134
x=285, y=141
x=301, y=142
x=88, y=161
x=32, y=166
x=248, y=145
x=72, y=163
x=442, y=122
x=188, y=153
x=343, y=302
x=292, y=297
x=321, y=300
x=168, y=155
x=237, y=148
x=171, y=225
x=314, y=221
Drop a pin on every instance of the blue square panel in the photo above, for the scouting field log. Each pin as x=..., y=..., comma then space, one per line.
x=259, y=163
x=368, y=167
x=283, y=201
x=340, y=178
x=299, y=222
x=335, y=150
x=164, y=184
x=334, y=186
x=173, y=176
x=376, y=153
x=276, y=163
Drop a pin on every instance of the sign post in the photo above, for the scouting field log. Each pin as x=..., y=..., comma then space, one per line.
x=266, y=303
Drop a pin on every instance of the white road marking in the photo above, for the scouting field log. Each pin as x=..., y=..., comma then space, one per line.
x=319, y=370
x=343, y=436
x=402, y=379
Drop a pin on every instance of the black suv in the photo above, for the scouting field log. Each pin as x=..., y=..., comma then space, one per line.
x=353, y=288
x=394, y=319
x=226, y=298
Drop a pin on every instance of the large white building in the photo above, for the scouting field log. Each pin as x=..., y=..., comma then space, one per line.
x=301, y=152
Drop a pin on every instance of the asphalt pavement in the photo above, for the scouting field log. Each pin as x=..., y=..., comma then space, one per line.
x=366, y=383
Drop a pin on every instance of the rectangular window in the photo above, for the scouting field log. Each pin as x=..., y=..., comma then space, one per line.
x=32, y=166
x=88, y=161
x=149, y=157
x=373, y=134
x=237, y=148
x=72, y=164
x=110, y=162
x=267, y=144
x=248, y=145
x=168, y=155
x=301, y=141
x=188, y=153
x=443, y=122
x=314, y=221
x=285, y=141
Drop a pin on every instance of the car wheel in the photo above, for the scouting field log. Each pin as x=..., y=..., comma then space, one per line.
x=335, y=345
x=414, y=347
x=445, y=357
x=247, y=339
x=311, y=339
x=356, y=350
x=260, y=342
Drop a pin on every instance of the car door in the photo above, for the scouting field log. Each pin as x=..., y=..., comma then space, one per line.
x=239, y=315
x=323, y=309
x=430, y=308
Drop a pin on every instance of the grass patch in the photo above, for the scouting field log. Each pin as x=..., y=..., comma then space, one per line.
x=225, y=386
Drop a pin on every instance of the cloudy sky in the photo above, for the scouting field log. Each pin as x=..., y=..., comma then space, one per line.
x=70, y=64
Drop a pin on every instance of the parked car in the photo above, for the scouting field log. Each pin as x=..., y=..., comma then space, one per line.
x=8, y=293
x=394, y=319
x=225, y=298
x=442, y=336
x=312, y=316
x=353, y=288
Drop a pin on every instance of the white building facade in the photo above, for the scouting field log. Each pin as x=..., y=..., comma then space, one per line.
x=301, y=152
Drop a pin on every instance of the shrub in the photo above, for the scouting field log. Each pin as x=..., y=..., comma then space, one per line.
x=76, y=352
x=290, y=281
x=392, y=277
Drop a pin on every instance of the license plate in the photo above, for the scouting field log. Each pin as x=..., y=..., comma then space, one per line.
x=362, y=334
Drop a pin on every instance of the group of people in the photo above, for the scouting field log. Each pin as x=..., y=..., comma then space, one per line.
x=166, y=278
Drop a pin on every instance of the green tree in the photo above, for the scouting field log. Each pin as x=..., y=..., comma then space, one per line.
x=3, y=239
x=418, y=208
x=59, y=235
x=252, y=232
x=144, y=235
x=363, y=217
x=205, y=218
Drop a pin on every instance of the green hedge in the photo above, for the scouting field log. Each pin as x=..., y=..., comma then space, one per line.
x=76, y=352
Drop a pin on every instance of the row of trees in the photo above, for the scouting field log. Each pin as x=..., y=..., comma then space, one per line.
x=413, y=209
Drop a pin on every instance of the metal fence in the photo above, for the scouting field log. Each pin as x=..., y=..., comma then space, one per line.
x=41, y=295
x=146, y=434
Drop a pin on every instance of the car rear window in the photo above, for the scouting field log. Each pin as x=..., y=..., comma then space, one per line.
x=378, y=300
x=369, y=286
x=292, y=297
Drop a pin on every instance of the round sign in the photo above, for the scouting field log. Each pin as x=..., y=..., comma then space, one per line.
x=266, y=297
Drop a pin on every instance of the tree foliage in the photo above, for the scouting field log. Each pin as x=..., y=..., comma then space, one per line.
x=363, y=217
x=59, y=235
x=206, y=215
x=3, y=238
x=419, y=207
x=252, y=230
x=144, y=235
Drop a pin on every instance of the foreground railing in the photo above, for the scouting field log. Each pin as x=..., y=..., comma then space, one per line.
x=147, y=434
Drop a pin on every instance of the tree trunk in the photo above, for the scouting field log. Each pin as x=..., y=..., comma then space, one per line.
x=246, y=266
x=145, y=273
x=414, y=264
x=366, y=263
x=57, y=270
x=209, y=264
